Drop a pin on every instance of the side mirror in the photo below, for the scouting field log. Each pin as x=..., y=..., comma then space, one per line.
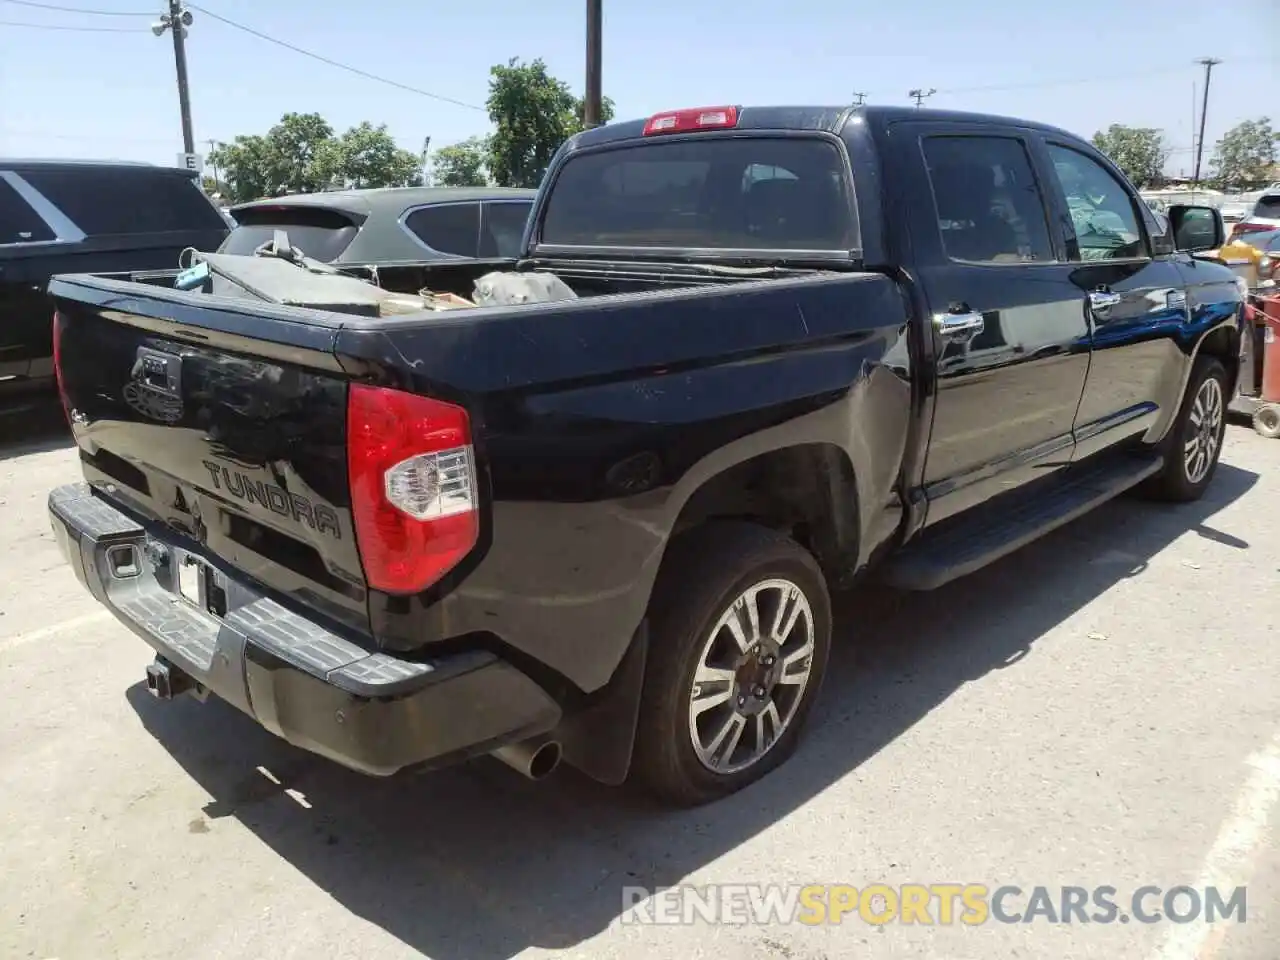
x=1197, y=229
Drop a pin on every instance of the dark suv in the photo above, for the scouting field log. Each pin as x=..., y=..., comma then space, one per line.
x=59, y=216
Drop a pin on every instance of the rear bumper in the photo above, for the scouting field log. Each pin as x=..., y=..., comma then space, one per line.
x=367, y=710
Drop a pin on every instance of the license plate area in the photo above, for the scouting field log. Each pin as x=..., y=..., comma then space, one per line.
x=200, y=584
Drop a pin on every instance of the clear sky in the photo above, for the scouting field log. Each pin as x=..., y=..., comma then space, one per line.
x=1080, y=64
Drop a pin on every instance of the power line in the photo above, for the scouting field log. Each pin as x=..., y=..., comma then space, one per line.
x=1082, y=80
x=51, y=26
x=80, y=10
x=334, y=63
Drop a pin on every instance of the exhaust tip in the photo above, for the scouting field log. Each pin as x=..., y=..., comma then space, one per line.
x=544, y=760
x=534, y=759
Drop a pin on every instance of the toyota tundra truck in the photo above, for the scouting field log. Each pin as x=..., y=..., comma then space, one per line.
x=807, y=346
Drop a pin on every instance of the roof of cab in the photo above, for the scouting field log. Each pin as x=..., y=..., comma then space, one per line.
x=829, y=118
x=388, y=198
x=45, y=163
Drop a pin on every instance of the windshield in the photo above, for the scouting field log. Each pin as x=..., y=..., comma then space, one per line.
x=320, y=234
x=744, y=193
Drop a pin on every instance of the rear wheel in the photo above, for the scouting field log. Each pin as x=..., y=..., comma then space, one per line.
x=1195, y=441
x=740, y=635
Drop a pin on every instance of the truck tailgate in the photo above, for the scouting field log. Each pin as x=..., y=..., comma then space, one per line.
x=226, y=425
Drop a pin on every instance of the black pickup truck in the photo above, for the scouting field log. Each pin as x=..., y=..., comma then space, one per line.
x=807, y=344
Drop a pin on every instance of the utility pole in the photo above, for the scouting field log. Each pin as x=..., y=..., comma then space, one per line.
x=859, y=99
x=1208, y=63
x=176, y=22
x=591, y=105
x=426, y=173
x=919, y=95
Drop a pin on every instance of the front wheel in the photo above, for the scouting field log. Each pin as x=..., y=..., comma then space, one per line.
x=1195, y=441
x=739, y=639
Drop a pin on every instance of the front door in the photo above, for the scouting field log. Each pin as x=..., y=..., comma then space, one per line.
x=1011, y=336
x=1136, y=304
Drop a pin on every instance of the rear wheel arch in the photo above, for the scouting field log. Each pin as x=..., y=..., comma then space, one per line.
x=808, y=491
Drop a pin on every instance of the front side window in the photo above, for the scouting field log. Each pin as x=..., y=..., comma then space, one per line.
x=1101, y=208
x=990, y=208
x=452, y=228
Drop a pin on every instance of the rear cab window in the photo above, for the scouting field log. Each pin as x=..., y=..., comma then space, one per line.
x=705, y=192
x=126, y=200
x=320, y=233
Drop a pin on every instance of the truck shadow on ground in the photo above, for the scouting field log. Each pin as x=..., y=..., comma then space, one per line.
x=477, y=862
x=32, y=425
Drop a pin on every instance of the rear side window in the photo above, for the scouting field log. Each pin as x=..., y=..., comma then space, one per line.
x=320, y=234
x=18, y=222
x=127, y=200
x=447, y=227
x=990, y=208
x=737, y=193
x=502, y=228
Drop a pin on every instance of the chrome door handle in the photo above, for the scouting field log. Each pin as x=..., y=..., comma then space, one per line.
x=958, y=326
x=1100, y=301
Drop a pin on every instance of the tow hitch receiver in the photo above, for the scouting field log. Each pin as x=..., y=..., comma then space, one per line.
x=165, y=681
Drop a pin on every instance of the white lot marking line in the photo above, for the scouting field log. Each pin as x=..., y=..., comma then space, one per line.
x=43, y=633
x=1230, y=860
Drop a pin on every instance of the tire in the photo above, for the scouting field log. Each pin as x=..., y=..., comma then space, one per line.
x=1188, y=470
x=1266, y=421
x=703, y=577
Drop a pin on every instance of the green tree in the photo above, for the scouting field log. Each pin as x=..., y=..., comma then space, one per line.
x=300, y=154
x=1246, y=154
x=533, y=113
x=293, y=157
x=462, y=164
x=1139, y=151
x=243, y=164
x=367, y=156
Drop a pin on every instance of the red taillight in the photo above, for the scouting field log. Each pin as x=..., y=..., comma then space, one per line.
x=413, y=486
x=1245, y=227
x=699, y=118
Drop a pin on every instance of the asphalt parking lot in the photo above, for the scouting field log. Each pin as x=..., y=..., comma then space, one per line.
x=1102, y=709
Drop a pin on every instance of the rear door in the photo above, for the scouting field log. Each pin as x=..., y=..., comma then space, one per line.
x=1136, y=303
x=1009, y=327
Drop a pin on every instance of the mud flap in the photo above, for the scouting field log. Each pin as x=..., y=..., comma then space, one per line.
x=598, y=740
